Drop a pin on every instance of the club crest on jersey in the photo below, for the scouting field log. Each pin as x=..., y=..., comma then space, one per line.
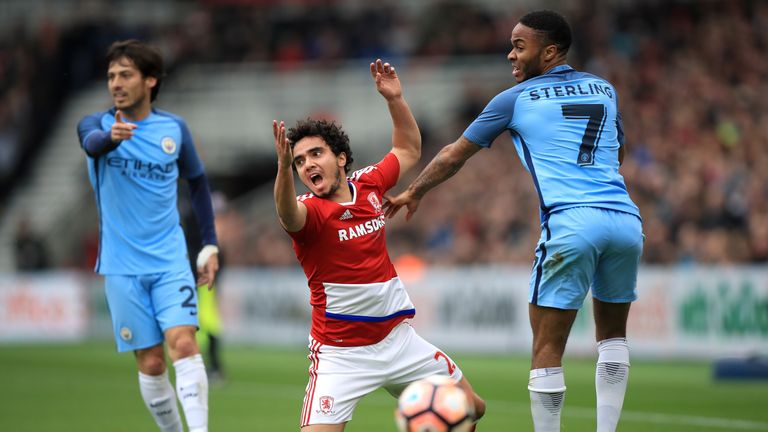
x=126, y=334
x=374, y=200
x=168, y=145
x=326, y=404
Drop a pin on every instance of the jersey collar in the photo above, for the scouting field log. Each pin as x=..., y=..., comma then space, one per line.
x=558, y=69
x=353, y=189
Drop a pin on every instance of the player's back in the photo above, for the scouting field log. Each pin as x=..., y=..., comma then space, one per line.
x=568, y=132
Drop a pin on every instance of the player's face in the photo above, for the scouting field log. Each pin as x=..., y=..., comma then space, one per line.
x=129, y=89
x=321, y=171
x=526, y=54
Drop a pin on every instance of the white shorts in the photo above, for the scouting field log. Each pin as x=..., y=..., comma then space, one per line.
x=340, y=376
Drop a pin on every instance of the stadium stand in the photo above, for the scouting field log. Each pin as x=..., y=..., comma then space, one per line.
x=691, y=75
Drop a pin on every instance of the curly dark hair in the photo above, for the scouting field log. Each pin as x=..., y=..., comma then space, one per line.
x=329, y=131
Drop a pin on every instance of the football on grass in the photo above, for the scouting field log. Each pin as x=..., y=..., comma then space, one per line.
x=434, y=404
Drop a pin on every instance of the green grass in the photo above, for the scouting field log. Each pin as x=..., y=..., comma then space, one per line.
x=89, y=387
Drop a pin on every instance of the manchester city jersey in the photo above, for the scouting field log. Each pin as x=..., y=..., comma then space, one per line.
x=567, y=131
x=136, y=193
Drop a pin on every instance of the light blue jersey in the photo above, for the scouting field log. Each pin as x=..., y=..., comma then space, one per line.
x=567, y=131
x=136, y=193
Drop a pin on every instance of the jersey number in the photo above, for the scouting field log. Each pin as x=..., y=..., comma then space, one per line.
x=596, y=114
x=188, y=303
x=451, y=366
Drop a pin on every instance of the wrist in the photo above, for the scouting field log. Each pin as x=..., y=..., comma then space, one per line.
x=205, y=254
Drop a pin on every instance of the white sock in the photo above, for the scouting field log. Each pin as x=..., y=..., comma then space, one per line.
x=192, y=388
x=611, y=376
x=160, y=400
x=547, y=389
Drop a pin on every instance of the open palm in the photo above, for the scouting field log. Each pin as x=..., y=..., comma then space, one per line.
x=386, y=79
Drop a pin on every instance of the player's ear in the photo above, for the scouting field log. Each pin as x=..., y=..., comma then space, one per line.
x=341, y=160
x=550, y=52
x=151, y=81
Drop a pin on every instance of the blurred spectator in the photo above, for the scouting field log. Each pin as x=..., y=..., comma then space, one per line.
x=692, y=76
x=30, y=250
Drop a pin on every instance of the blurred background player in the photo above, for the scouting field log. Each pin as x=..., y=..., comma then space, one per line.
x=360, y=340
x=135, y=156
x=210, y=327
x=569, y=135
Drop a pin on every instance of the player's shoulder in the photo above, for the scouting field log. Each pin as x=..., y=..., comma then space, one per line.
x=303, y=198
x=98, y=115
x=581, y=75
x=362, y=174
x=167, y=115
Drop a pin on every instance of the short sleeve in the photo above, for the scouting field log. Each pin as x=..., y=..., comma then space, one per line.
x=495, y=119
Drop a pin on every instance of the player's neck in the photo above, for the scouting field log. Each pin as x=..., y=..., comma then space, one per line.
x=138, y=113
x=343, y=194
x=556, y=63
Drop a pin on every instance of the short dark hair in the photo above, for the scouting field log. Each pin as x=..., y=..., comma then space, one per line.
x=146, y=58
x=552, y=25
x=329, y=131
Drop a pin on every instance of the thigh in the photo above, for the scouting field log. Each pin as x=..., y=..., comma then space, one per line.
x=133, y=315
x=174, y=298
x=566, y=258
x=616, y=272
x=413, y=358
x=338, y=378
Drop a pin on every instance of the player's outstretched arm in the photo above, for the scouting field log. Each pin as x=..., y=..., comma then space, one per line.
x=442, y=167
x=406, y=138
x=292, y=214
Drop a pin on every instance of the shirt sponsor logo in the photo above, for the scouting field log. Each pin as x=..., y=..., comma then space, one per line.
x=141, y=169
x=361, y=229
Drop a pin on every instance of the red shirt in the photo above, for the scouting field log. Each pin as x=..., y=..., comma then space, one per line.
x=355, y=293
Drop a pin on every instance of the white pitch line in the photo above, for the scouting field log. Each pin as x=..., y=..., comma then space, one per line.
x=293, y=392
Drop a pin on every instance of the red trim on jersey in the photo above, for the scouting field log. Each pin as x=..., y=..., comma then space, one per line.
x=309, y=394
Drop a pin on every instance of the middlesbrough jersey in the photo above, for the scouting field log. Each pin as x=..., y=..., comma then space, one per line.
x=356, y=296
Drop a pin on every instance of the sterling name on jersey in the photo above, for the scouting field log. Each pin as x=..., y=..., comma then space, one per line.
x=356, y=296
x=567, y=131
x=136, y=190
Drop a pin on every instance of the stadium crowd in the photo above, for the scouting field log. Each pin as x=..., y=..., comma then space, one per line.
x=690, y=79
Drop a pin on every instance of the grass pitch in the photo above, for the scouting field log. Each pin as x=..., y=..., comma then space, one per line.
x=89, y=387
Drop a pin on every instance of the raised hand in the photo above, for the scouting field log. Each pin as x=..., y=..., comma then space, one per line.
x=386, y=79
x=282, y=146
x=120, y=129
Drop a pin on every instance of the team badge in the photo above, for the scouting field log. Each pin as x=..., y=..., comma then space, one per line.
x=168, y=145
x=326, y=404
x=126, y=334
x=374, y=200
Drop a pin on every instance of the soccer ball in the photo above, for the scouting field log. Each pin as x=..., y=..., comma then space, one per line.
x=434, y=404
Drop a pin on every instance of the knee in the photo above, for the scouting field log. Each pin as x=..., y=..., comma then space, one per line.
x=479, y=406
x=150, y=362
x=182, y=346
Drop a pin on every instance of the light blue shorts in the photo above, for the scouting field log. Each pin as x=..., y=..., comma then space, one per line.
x=143, y=307
x=585, y=247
